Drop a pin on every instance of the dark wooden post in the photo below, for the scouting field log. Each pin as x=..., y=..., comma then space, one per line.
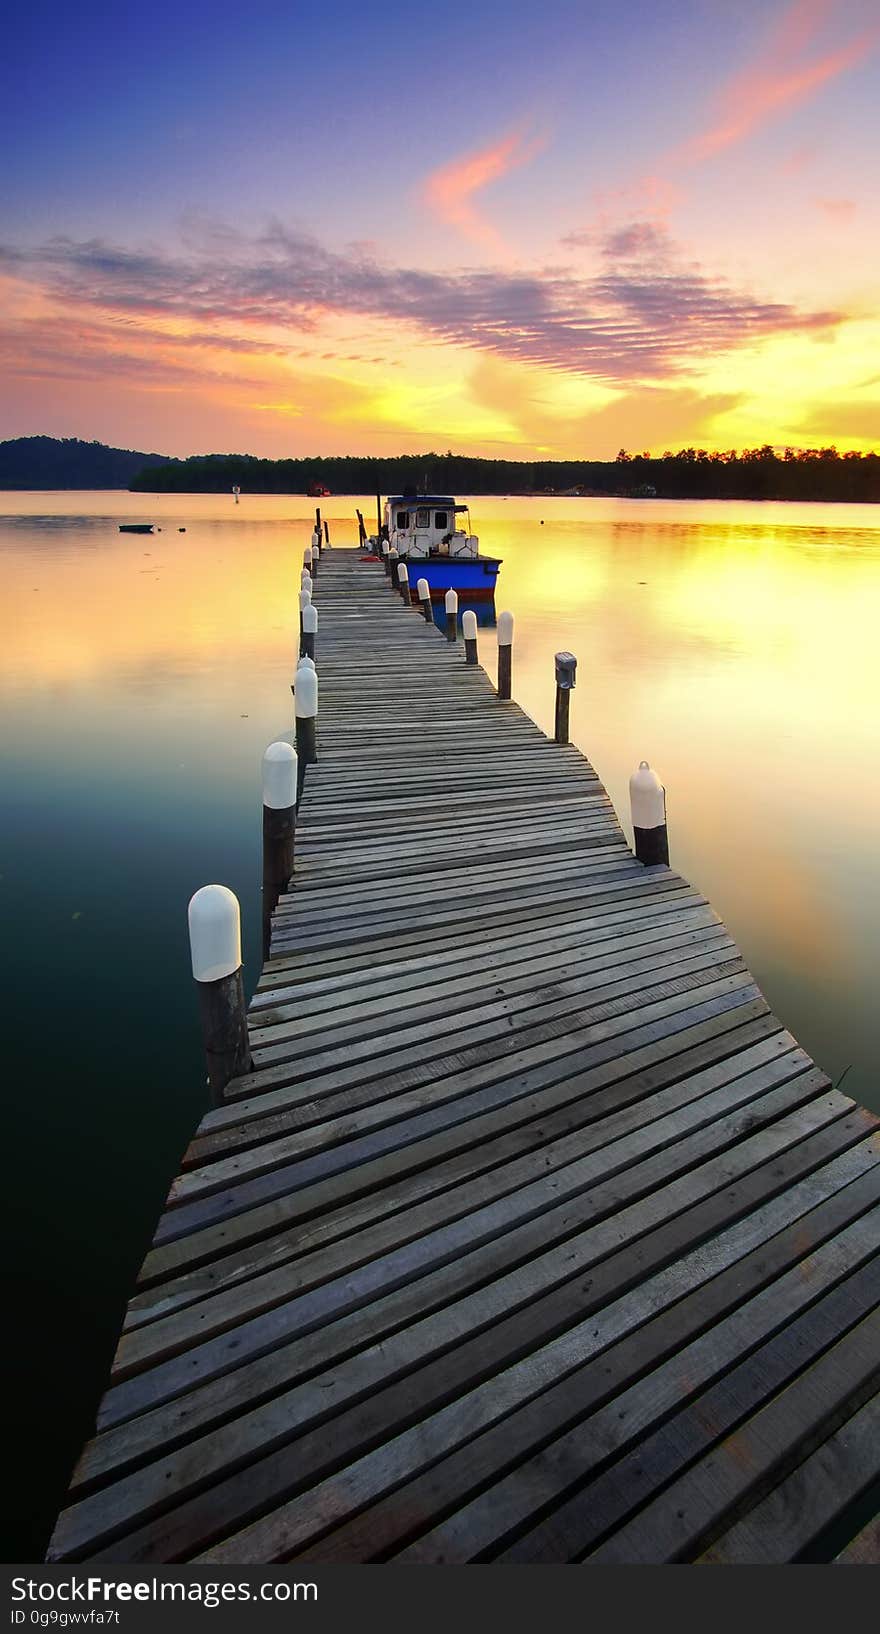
x=362, y=532
x=469, y=631
x=566, y=666
x=279, y=828
x=326, y=532
x=385, y=553
x=379, y=518
x=318, y=520
x=647, y=798
x=505, y=652
x=215, y=948
x=451, y=603
x=309, y=630
x=305, y=697
x=393, y=566
x=424, y=590
x=403, y=583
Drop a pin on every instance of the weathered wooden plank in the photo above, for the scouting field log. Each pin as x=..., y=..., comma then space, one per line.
x=732, y=1305
x=716, y=1280
x=661, y=1051
x=496, y=1138
x=281, y=1533
x=764, y=1446
x=801, y=1507
x=513, y=1332
x=449, y=1226
x=864, y=1548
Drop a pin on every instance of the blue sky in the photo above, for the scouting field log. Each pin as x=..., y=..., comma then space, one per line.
x=491, y=140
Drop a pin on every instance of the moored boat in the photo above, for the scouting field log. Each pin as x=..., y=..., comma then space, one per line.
x=425, y=531
x=136, y=527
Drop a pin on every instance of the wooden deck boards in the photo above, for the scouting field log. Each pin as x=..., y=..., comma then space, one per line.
x=532, y=1234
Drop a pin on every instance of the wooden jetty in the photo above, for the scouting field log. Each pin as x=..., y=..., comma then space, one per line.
x=531, y=1234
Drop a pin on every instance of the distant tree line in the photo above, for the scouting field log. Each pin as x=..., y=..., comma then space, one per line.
x=691, y=473
x=68, y=462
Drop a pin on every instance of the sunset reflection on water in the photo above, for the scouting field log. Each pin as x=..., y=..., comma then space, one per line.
x=733, y=645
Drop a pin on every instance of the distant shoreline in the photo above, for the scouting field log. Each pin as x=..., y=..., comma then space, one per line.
x=814, y=474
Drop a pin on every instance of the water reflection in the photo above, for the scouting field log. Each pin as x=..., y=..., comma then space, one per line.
x=141, y=677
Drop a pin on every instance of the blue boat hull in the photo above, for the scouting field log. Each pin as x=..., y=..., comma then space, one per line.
x=472, y=577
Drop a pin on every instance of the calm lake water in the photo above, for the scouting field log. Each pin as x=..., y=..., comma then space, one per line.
x=735, y=646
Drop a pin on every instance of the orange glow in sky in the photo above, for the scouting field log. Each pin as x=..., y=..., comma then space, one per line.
x=547, y=250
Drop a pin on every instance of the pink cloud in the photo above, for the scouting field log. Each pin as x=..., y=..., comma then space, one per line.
x=839, y=209
x=451, y=190
x=792, y=64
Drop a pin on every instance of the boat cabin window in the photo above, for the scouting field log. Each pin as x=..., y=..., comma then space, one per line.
x=441, y=519
x=403, y=519
x=423, y=517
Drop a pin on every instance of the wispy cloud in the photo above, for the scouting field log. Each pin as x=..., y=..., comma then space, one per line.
x=646, y=313
x=452, y=190
x=793, y=62
x=838, y=209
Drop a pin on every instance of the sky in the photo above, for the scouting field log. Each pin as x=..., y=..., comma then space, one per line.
x=543, y=231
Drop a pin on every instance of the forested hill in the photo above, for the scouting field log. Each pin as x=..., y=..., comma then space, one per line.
x=691, y=473
x=66, y=462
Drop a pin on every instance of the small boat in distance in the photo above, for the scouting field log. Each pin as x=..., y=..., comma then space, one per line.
x=316, y=490
x=425, y=531
x=136, y=527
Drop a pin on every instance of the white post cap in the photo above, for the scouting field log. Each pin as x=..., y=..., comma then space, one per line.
x=305, y=579
x=279, y=776
x=505, y=629
x=403, y=574
x=384, y=547
x=469, y=625
x=306, y=693
x=307, y=555
x=305, y=662
x=424, y=590
x=316, y=537
x=310, y=619
x=305, y=600
x=647, y=798
x=393, y=550
x=451, y=602
x=214, y=933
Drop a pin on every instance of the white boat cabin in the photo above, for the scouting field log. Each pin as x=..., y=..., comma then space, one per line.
x=428, y=525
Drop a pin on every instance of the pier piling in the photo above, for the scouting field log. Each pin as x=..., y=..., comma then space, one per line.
x=305, y=600
x=305, y=696
x=505, y=653
x=403, y=582
x=279, y=828
x=424, y=591
x=451, y=615
x=647, y=798
x=469, y=631
x=566, y=667
x=308, y=630
x=215, y=949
